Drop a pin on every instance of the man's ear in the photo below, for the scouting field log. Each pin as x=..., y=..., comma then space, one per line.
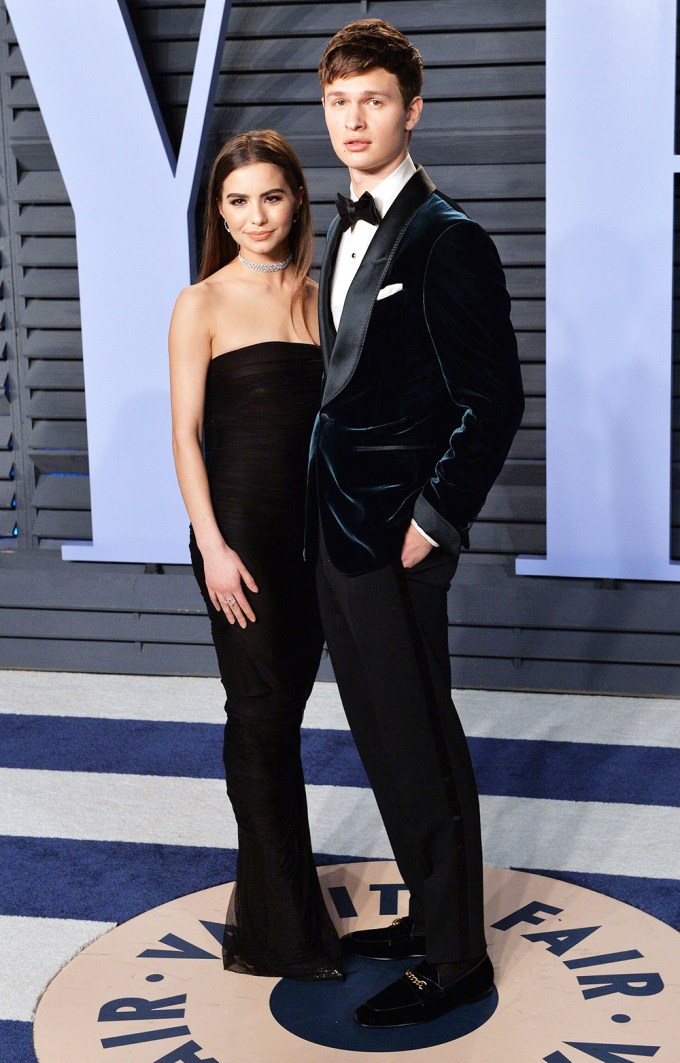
x=413, y=112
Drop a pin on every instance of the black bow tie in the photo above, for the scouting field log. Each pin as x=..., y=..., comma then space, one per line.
x=351, y=211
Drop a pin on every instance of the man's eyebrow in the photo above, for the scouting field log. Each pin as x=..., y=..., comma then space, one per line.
x=370, y=93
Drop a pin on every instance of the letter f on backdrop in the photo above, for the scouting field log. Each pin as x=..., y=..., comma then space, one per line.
x=134, y=205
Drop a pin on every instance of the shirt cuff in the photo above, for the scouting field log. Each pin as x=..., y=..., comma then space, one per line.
x=424, y=534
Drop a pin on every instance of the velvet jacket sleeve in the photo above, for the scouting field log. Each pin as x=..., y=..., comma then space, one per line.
x=467, y=311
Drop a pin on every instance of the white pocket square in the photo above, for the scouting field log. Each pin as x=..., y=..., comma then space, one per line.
x=389, y=289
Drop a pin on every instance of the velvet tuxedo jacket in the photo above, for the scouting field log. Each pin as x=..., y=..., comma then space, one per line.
x=422, y=389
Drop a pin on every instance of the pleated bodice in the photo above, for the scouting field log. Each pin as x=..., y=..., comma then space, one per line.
x=260, y=406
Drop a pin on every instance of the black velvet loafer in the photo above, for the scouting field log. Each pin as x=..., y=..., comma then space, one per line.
x=399, y=941
x=417, y=997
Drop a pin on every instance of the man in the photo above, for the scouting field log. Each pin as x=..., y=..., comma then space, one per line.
x=422, y=397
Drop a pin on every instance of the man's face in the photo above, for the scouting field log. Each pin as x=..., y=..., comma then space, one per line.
x=368, y=123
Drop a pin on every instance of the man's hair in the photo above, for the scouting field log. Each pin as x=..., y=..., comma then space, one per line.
x=368, y=44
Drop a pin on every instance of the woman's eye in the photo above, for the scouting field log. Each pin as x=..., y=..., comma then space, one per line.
x=273, y=199
x=236, y=202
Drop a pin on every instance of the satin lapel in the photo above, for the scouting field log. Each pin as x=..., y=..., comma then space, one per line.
x=326, y=326
x=362, y=294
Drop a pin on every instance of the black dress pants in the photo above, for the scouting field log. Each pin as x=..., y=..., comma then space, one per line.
x=387, y=635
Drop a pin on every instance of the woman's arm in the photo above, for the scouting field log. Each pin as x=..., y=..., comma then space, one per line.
x=190, y=353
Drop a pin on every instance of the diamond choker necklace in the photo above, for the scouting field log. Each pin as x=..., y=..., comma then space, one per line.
x=266, y=267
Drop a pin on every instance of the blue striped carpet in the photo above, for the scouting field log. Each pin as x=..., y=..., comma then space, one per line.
x=113, y=802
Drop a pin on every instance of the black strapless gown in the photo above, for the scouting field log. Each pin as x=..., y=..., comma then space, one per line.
x=260, y=406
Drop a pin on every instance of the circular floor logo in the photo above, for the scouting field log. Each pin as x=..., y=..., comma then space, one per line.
x=579, y=976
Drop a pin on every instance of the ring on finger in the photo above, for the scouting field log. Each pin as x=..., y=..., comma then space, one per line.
x=231, y=602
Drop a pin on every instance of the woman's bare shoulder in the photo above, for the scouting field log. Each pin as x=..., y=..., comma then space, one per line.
x=193, y=298
x=217, y=285
x=204, y=300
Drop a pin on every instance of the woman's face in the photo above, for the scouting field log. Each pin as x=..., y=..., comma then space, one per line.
x=258, y=207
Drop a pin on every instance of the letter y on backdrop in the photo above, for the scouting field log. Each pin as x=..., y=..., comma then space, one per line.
x=134, y=205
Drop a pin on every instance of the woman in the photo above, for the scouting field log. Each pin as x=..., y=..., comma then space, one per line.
x=245, y=363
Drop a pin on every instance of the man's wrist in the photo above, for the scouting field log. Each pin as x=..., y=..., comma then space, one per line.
x=423, y=533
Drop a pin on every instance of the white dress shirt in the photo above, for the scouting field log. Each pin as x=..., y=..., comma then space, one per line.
x=354, y=244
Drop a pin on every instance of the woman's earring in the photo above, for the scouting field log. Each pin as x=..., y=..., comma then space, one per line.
x=295, y=217
x=226, y=226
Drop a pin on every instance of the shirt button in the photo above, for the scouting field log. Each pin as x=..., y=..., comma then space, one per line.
x=354, y=254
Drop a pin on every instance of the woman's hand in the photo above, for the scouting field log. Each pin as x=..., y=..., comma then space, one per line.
x=225, y=575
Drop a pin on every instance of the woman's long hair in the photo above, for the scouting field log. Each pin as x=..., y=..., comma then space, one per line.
x=219, y=247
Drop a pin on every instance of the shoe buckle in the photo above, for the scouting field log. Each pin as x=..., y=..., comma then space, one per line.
x=416, y=981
